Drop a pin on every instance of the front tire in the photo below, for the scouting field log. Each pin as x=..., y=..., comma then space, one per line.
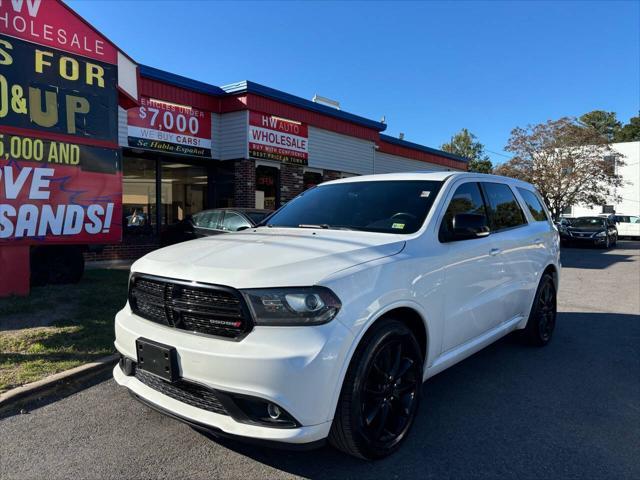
x=542, y=319
x=380, y=394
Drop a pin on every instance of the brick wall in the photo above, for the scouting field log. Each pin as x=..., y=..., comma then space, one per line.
x=245, y=180
x=120, y=252
x=331, y=175
x=291, y=182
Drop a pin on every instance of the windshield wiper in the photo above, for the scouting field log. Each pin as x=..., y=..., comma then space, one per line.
x=312, y=225
x=324, y=226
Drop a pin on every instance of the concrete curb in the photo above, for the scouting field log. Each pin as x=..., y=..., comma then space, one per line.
x=50, y=384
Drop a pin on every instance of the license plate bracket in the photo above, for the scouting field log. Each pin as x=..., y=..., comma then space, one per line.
x=158, y=359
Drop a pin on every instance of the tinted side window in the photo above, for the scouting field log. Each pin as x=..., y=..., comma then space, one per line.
x=466, y=199
x=232, y=222
x=534, y=205
x=505, y=211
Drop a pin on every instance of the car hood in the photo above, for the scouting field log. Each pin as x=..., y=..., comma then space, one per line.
x=277, y=257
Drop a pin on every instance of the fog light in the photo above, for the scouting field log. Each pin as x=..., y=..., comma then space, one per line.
x=254, y=410
x=273, y=411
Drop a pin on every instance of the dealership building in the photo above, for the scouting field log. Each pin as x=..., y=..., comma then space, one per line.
x=250, y=146
x=174, y=145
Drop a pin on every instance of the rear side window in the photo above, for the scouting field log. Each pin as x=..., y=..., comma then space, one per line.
x=466, y=199
x=207, y=219
x=534, y=205
x=505, y=210
x=232, y=222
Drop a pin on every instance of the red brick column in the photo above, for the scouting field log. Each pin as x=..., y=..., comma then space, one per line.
x=245, y=188
x=291, y=184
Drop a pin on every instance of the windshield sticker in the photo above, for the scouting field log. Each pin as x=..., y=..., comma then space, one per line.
x=399, y=226
x=425, y=194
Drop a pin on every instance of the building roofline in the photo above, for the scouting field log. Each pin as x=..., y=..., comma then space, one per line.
x=422, y=148
x=247, y=86
x=179, y=81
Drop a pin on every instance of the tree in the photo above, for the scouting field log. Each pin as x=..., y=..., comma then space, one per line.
x=605, y=123
x=568, y=162
x=465, y=144
x=630, y=132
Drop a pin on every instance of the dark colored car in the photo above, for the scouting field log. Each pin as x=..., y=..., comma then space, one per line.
x=594, y=231
x=213, y=222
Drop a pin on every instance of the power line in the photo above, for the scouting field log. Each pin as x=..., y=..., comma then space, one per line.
x=501, y=154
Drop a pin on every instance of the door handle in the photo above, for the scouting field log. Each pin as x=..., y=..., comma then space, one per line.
x=495, y=251
x=537, y=241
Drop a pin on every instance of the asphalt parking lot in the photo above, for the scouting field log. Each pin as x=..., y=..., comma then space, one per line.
x=571, y=410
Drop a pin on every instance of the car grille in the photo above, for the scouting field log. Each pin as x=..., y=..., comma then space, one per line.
x=582, y=234
x=212, y=310
x=184, y=391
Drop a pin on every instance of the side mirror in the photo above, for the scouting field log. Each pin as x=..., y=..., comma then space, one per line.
x=468, y=225
x=243, y=227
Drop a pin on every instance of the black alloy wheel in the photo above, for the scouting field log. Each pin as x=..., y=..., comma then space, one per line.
x=542, y=320
x=381, y=393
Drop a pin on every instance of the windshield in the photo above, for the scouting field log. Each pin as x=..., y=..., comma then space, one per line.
x=377, y=206
x=587, y=222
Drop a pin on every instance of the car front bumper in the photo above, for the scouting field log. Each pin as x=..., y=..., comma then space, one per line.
x=584, y=240
x=298, y=368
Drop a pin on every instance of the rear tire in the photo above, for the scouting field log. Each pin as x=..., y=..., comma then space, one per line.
x=542, y=319
x=380, y=393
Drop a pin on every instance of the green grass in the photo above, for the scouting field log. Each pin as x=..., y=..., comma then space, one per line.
x=81, y=331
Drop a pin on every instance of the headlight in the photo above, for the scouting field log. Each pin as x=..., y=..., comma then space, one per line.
x=292, y=306
x=601, y=234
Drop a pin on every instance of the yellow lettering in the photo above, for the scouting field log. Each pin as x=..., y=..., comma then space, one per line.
x=53, y=153
x=75, y=105
x=5, y=57
x=95, y=72
x=75, y=154
x=64, y=153
x=64, y=68
x=48, y=117
x=40, y=61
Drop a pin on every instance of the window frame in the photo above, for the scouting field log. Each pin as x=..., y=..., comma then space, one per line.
x=217, y=227
x=519, y=190
x=490, y=209
x=233, y=212
x=454, y=189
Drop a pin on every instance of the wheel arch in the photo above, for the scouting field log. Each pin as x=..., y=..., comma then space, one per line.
x=553, y=271
x=408, y=314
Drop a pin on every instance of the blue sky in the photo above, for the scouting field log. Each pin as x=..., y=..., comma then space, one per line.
x=430, y=67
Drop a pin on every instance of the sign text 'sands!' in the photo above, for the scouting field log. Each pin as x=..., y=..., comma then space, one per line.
x=275, y=138
x=60, y=166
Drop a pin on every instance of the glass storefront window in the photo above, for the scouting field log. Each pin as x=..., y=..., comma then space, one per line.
x=267, y=187
x=184, y=191
x=138, y=196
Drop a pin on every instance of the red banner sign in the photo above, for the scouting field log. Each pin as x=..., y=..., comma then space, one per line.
x=60, y=165
x=55, y=192
x=51, y=23
x=169, y=127
x=275, y=138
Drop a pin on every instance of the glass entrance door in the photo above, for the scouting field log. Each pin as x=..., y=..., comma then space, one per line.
x=267, y=187
x=184, y=191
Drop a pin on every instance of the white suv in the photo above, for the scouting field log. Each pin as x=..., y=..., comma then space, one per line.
x=324, y=322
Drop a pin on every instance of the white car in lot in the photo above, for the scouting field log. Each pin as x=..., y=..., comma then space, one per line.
x=628, y=226
x=325, y=321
